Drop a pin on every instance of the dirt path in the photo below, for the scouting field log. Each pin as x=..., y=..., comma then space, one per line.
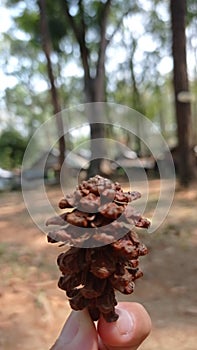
x=34, y=308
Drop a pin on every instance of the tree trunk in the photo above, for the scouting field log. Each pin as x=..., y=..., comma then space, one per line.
x=183, y=109
x=94, y=86
x=46, y=44
x=137, y=104
x=95, y=92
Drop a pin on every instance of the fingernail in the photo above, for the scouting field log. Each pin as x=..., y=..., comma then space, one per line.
x=125, y=322
x=70, y=330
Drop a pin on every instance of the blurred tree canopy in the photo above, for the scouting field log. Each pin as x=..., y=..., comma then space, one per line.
x=87, y=35
x=97, y=51
x=12, y=146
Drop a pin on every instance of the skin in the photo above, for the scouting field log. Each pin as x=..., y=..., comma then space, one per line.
x=127, y=333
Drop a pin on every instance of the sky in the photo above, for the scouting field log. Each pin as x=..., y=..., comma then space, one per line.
x=5, y=19
x=5, y=23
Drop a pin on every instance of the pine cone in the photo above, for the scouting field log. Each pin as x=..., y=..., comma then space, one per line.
x=104, y=249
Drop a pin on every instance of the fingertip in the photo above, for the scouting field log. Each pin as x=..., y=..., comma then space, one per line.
x=131, y=328
x=86, y=338
x=78, y=333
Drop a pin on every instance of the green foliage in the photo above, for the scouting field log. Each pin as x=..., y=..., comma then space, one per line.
x=12, y=148
x=191, y=11
x=145, y=91
x=29, y=22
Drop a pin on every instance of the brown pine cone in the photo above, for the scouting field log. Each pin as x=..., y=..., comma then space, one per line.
x=104, y=249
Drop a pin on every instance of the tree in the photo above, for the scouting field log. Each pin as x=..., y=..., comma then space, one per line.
x=46, y=44
x=94, y=69
x=80, y=33
x=74, y=22
x=181, y=86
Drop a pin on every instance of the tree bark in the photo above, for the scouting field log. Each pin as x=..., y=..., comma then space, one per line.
x=180, y=80
x=94, y=86
x=137, y=101
x=46, y=44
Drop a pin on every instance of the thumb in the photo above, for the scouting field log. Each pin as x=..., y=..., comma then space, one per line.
x=129, y=331
x=78, y=333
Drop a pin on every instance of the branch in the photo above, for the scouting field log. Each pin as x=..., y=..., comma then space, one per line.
x=47, y=48
x=103, y=40
x=79, y=34
x=118, y=26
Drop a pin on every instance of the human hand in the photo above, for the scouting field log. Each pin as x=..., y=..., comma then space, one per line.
x=127, y=333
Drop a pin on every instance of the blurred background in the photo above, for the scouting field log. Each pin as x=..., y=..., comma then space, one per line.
x=54, y=55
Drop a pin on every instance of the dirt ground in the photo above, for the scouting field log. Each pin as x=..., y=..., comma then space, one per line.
x=33, y=309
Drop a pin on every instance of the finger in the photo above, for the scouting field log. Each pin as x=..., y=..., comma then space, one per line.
x=78, y=333
x=129, y=331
